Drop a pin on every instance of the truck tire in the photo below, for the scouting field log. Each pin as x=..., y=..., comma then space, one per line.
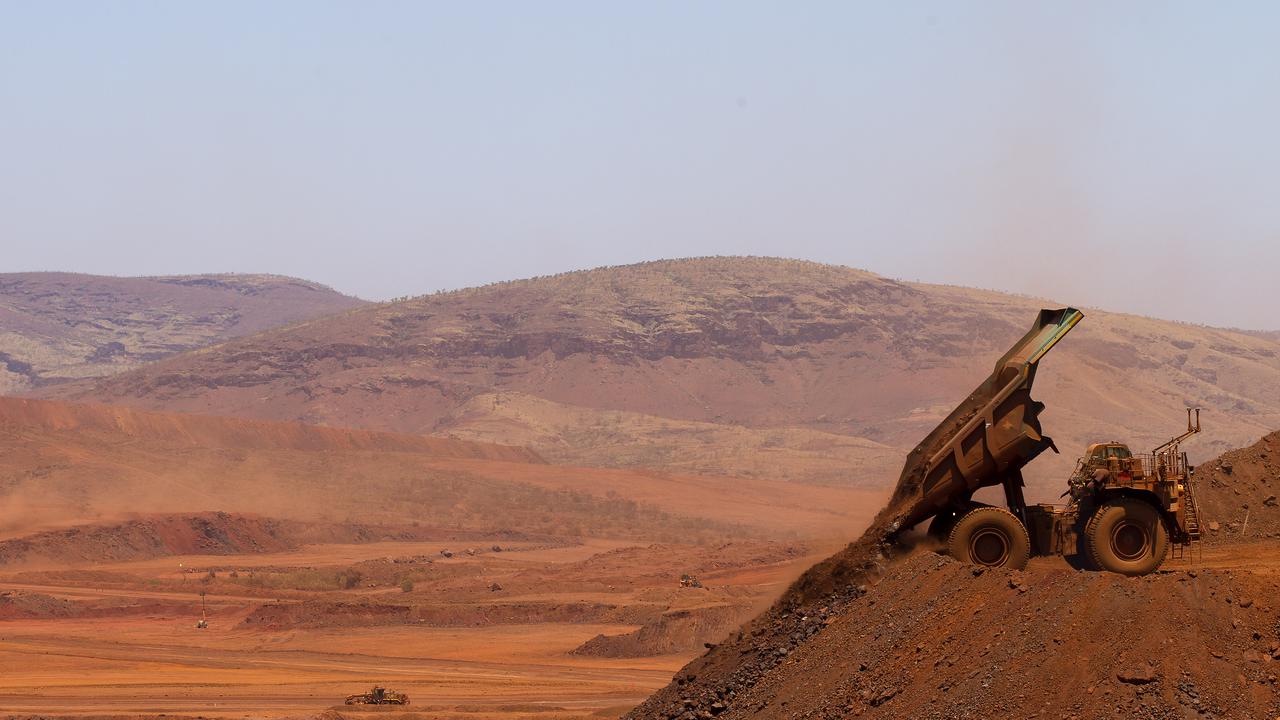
x=990, y=536
x=1126, y=536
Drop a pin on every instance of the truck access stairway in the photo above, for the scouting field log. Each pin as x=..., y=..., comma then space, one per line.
x=1188, y=551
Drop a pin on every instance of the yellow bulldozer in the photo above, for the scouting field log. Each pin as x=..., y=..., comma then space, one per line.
x=378, y=696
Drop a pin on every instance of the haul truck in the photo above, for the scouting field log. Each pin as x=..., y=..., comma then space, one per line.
x=1124, y=509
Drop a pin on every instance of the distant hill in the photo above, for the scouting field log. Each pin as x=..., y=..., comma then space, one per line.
x=60, y=326
x=746, y=366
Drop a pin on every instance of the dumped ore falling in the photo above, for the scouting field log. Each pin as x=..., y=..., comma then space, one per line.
x=999, y=416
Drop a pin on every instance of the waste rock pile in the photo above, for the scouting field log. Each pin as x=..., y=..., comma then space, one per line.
x=931, y=637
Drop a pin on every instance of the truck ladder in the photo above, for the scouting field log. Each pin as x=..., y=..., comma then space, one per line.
x=1192, y=513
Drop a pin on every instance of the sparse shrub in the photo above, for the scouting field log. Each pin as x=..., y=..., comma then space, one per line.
x=406, y=585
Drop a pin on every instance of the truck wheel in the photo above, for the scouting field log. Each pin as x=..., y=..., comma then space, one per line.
x=1126, y=536
x=990, y=536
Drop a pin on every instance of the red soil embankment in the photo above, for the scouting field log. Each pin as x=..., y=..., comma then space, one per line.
x=373, y=612
x=1239, y=493
x=674, y=631
x=207, y=533
x=19, y=414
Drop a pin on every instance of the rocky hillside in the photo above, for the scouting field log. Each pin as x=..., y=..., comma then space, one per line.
x=1239, y=492
x=60, y=326
x=765, y=367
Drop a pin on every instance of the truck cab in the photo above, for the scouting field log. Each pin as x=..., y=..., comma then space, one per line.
x=1100, y=453
x=1105, y=463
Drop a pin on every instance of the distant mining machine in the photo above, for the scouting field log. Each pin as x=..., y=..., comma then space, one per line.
x=203, y=622
x=378, y=695
x=1124, y=509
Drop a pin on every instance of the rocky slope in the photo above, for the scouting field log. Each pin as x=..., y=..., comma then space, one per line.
x=933, y=638
x=60, y=326
x=1239, y=492
x=812, y=372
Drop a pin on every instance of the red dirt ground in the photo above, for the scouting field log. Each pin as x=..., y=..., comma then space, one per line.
x=120, y=638
x=322, y=553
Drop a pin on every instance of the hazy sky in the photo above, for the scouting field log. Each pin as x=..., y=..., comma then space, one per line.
x=1122, y=155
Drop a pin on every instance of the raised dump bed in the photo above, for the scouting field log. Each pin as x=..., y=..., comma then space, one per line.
x=989, y=437
x=1124, y=509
